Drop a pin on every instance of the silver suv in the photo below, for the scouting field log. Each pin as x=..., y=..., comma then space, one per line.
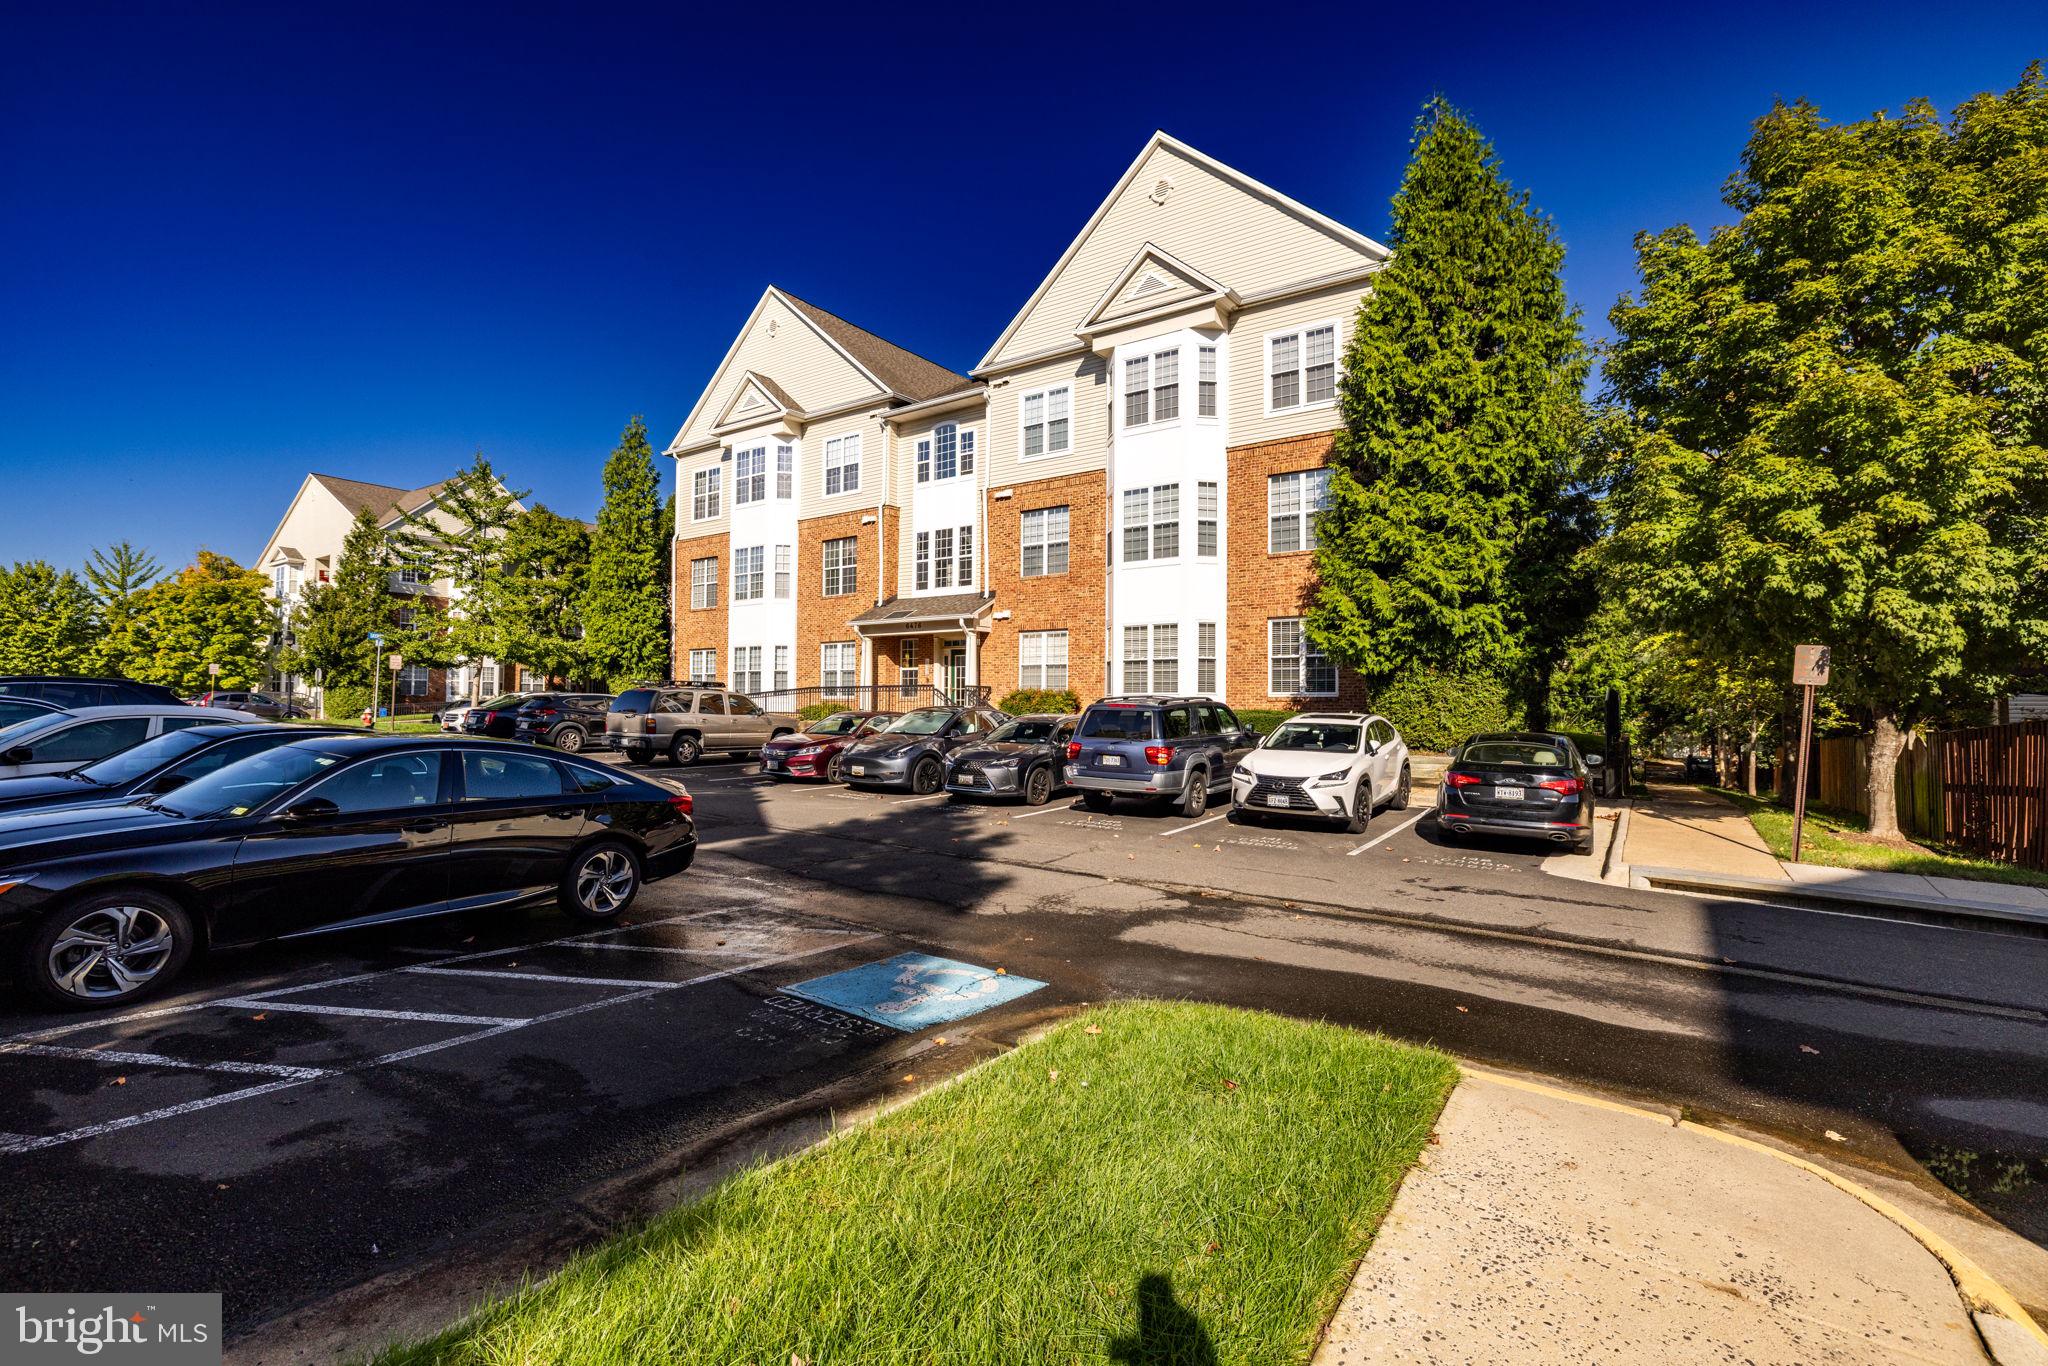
x=685, y=720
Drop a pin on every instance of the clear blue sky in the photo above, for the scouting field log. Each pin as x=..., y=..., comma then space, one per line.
x=235, y=247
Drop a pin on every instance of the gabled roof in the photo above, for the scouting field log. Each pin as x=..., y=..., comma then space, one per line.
x=905, y=372
x=381, y=500
x=757, y=393
x=1154, y=276
x=930, y=607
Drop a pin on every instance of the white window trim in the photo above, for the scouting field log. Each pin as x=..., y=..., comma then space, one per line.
x=1180, y=520
x=711, y=672
x=844, y=441
x=1044, y=658
x=1045, y=393
x=1305, y=514
x=1301, y=330
x=1044, y=544
x=1193, y=389
x=1335, y=682
x=851, y=567
x=966, y=452
x=714, y=493
x=1151, y=358
x=851, y=671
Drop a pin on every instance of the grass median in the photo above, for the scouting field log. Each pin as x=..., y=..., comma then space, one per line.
x=1150, y=1182
x=1835, y=840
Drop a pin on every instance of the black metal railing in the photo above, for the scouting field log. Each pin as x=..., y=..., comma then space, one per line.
x=870, y=697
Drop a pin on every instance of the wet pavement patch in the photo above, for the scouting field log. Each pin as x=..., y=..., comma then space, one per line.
x=914, y=990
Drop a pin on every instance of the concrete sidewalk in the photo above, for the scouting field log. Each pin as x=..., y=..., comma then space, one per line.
x=1545, y=1226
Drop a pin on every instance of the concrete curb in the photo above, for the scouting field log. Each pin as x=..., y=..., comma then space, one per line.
x=1758, y=888
x=2009, y=1333
x=1613, y=869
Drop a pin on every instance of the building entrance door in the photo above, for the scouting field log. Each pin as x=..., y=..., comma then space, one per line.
x=954, y=676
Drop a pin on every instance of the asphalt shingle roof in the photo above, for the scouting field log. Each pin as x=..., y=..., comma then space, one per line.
x=923, y=608
x=906, y=372
x=382, y=500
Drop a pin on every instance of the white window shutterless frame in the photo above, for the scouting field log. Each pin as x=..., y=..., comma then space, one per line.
x=1045, y=422
x=1301, y=368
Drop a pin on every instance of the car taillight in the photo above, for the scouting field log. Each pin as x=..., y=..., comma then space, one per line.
x=1073, y=749
x=1159, y=756
x=1571, y=787
x=546, y=711
x=1461, y=779
x=647, y=724
x=683, y=802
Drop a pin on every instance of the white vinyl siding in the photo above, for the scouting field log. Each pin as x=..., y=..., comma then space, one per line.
x=1044, y=540
x=1292, y=502
x=778, y=343
x=704, y=583
x=1042, y=659
x=842, y=464
x=842, y=565
x=838, y=662
x=748, y=579
x=1047, y=418
x=1294, y=666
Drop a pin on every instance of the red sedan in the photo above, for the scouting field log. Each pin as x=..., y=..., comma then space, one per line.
x=810, y=752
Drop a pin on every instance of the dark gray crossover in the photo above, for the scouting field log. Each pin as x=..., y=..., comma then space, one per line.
x=912, y=751
x=1533, y=785
x=1025, y=758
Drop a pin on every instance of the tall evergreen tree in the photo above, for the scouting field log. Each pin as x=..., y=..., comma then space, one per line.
x=1840, y=433
x=460, y=537
x=47, y=621
x=118, y=575
x=211, y=612
x=337, y=617
x=626, y=615
x=1452, y=504
x=542, y=593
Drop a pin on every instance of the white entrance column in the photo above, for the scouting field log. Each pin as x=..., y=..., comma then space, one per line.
x=867, y=662
x=973, y=655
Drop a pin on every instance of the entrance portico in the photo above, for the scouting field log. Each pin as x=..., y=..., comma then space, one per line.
x=918, y=641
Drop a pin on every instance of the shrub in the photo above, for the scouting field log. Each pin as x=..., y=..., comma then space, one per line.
x=1263, y=720
x=345, y=702
x=818, y=711
x=1061, y=701
x=1435, y=710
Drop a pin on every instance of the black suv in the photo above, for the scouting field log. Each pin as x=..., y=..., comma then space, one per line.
x=1178, y=748
x=86, y=692
x=566, y=720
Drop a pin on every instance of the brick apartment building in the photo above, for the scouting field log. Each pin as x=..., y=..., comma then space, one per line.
x=1119, y=497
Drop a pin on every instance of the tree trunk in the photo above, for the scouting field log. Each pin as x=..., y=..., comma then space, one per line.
x=1749, y=761
x=1887, y=741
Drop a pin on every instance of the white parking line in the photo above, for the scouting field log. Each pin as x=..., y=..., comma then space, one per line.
x=258, y=1069
x=19, y=1144
x=544, y=977
x=927, y=797
x=1380, y=839
x=361, y=1012
x=1182, y=830
x=1070, y=808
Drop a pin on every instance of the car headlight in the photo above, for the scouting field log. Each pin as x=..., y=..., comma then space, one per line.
x=1241, y=772
x=1342, y=775
x=807, y=752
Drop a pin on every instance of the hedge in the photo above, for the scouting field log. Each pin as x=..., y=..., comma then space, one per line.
x=1060, y=701
x=818, y=711
x=1435, y=711
x=1264, y=720
x=345, y=702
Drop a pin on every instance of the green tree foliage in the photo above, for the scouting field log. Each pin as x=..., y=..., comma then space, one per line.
x=336, y=618
x=1839, y=410
x=1454, y=509
x=626, y=620
x=459, y=537
x=543, y=591
x=1434, y=709
x=47, y=620
x=118, y=576
x=211, y=612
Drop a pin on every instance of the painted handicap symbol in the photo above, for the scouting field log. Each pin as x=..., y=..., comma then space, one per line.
x=913, y=990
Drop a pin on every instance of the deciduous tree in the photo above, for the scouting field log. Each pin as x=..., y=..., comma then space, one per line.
x=337, y=617
x=47, y=621
x=542, y=593
x=211, y=612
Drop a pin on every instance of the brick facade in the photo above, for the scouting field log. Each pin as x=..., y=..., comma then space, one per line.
x=706, y=629
x=1264, y=586
x=818, y=618
x=1073, y=601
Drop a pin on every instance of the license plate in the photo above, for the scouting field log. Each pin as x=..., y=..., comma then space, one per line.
x=858, y=770
x=1278, y=801
x=1111, y=761
x=1507, y=794
x=771, y=763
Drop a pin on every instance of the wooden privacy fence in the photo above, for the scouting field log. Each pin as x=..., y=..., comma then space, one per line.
x=1981, y=791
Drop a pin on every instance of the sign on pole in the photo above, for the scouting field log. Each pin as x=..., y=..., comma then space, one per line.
x=397, y=662
x=1809, y=671
x=213, y=671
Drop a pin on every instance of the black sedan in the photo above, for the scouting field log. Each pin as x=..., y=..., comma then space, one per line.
x=497, y=717
x=1024, y=758
x=151, y=768
x=912, y=751
x=102, y=905
x=1533, y=785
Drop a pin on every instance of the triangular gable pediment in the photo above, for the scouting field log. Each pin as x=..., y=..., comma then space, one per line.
x=1187, y=206
x=1154, y=279
x=755, y=398
x=790, y=358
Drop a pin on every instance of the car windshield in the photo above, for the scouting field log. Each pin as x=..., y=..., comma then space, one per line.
x=929, y=721
x=845, y=723
x=1512, y=754
x=1117, y=723
x=133, y=763
x=1023, y=732
x=240, y=788
x=22, y=729
x=635, y=700
x=1326, y=737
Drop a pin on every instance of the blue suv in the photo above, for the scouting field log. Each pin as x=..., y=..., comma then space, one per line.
x=1181, y=749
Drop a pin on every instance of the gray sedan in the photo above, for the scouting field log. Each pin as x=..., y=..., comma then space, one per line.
x=1024, y=758
x=912, y=751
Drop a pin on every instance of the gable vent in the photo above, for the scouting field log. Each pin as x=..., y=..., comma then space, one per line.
x=1160, y=190
x=1149, y=284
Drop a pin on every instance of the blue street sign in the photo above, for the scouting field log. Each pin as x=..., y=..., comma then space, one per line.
x=913, y=990
x=376, y=635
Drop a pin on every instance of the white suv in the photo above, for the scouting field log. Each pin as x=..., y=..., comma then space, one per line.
x=1336, y=765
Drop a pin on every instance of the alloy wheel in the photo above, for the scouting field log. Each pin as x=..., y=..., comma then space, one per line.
x=110, y=952
x=570, y=741
x=605, y=881
x=1038, y=787
x=926, y=777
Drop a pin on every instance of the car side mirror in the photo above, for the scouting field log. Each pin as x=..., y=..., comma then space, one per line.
x=1595, y=760
x=20, y=754
x=311, y=809
x=1372, y=747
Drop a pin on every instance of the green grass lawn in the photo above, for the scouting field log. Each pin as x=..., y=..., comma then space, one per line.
x=1835, y=840
x=1150, y=1182
x=403, y=725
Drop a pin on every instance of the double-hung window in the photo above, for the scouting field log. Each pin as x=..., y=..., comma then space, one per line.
x=782, y=573
x=1205, y=657
x=1042, y=659
x=842, y=464
x=746, y=669
x=412, y=681
x=1137, y=390
x=1301, y=368
x=785, y=472
x=837, y=663
x=1152, y=523
x=703, y=665
x=1152, y=387
x=750, y=476
x=1044, y=539
x=1292, y=502
x=1048, y=421
x=782, y=668
x=747, y=576
x=906, y=668
x=841, y=557
x=1205, y=520
x=1294, y=666
x=1205, y=381
x=922, y=562
x=704, y=583
x=946, y=454
x=1151, y=659
x=943, y=558
x=703, y=495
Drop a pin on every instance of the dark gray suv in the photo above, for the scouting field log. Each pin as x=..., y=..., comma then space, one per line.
x=912, y=751
x=1180, y=749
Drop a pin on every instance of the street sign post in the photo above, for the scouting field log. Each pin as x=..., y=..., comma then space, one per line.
x=397, y=663
x=1810, y=665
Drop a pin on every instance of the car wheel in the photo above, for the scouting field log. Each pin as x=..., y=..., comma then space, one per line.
x=569, y=740
x=835, y=771
x=1038, y=787
x=108, y=950
x=601, y=883
x=1097, y=801
x=684, y=750
x=639, y=754
x=1399, y=801
x=926, y=777
x=1361, y=807
x=1194, y=797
